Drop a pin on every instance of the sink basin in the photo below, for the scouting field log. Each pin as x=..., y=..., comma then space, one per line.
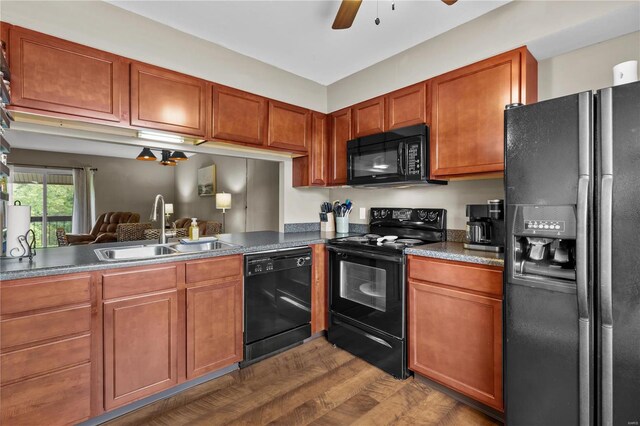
x=156, y=250
x=204, y=246
x=137, y=252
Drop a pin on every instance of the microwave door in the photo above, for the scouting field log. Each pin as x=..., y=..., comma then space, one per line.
x=376, y=163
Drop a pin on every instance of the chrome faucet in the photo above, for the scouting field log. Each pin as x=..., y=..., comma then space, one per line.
x=154, y=216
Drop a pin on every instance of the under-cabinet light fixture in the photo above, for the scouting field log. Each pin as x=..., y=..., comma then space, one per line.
x=160, y=137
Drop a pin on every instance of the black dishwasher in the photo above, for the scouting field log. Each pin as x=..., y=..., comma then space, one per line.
x=277, y=302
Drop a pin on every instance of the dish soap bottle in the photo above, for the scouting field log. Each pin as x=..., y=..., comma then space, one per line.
x=194, y=231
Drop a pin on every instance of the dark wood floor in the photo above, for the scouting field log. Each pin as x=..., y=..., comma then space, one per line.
x=312, y=384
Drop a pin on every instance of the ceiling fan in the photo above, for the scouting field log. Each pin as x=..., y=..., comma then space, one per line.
x=349, y=9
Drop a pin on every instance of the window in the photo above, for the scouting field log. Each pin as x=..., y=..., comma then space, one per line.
x=49, y=192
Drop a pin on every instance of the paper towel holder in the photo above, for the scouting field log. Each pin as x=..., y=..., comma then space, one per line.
x=28, y=248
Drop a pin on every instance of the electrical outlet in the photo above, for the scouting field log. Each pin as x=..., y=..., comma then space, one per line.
x=363, y=213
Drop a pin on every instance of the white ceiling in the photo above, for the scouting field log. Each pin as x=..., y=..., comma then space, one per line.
x=296, y=35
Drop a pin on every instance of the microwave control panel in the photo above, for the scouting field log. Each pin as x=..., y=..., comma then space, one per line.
x=413, y=159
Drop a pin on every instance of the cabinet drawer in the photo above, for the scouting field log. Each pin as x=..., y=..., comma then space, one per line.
x=479, y=278
x=214, y=269
x=27, y=295
x=139, y=281
x=35, y=328
x=58, y=398
x=44, y=358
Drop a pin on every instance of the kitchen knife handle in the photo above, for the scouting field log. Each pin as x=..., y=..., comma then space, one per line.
x=606, y=214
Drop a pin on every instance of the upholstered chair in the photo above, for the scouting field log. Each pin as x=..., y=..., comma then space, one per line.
x=104, y=230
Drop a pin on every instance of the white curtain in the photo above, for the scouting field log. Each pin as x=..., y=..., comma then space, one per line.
x=84, y=201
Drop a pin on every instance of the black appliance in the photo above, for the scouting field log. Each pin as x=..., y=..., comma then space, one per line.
x=572, y=277
x=277, y=302
x=367, y=299
x=485, y=228
x=399, y=156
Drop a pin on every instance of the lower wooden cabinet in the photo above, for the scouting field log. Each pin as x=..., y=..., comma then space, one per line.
x=455, y=333
x=140, y=347
x=214, y=327
x=319, y=289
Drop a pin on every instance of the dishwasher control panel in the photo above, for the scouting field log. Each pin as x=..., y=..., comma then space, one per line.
x=279, y=262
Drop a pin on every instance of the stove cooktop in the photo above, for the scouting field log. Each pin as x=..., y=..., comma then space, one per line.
x=370, y=242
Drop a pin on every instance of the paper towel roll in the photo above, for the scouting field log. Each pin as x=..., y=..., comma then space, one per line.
x=18, y=221
x=625, y=72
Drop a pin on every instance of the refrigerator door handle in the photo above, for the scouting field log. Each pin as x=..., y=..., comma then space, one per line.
x=606, y=208
x=582, y=255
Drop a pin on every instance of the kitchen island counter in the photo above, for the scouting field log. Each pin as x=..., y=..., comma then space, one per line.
x=82, y=258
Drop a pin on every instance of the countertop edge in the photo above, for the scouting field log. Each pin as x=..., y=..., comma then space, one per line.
x=458, y=257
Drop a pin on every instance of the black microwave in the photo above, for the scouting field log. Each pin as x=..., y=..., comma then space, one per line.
x=400, y=157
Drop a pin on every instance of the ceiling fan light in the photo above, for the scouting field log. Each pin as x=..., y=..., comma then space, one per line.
x=146, y=155
x=178, y=156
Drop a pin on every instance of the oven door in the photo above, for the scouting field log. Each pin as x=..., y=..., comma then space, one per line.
x=375, y=162
x=368, y=288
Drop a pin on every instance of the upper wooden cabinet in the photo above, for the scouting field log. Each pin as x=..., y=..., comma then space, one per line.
x=369, y=117
x=53, y=75
x=319, y=153
x=467, y=107
x=406, y=107
x=168, y=101
x=339, y=134
x=289, y=127
x=238, y=116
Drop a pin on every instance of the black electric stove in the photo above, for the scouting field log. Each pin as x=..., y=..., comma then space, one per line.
x=367, y=300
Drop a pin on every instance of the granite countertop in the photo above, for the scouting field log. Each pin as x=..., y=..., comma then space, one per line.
x=449, y=250
x=72, y=259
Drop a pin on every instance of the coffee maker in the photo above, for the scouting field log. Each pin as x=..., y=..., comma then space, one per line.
x=485, y=228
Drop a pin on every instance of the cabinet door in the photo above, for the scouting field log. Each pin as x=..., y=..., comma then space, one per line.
x=368, y=117
x=455, y=338
x=319, y=155
x=340, y=133
x=239, y=116
x=289, y=127
x=319, y=290
x=166, y=100
x=140, y=347
x=214, y=327
x=406, y=107
x=54, y=75
x=467, y=124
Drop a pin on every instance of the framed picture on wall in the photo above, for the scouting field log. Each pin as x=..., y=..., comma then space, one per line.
x=207, y=181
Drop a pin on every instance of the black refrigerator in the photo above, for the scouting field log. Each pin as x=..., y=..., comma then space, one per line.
x=572, y=260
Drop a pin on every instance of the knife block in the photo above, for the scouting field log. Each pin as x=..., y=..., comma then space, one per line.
x=329, y=225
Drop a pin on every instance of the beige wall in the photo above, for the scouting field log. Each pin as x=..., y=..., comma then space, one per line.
x=252, y=186
x=120, y=184
x=515, y=24
x=104, y=26
x=588, y=68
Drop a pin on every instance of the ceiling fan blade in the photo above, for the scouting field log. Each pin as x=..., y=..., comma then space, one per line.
x=346, y=14
x=449, y=2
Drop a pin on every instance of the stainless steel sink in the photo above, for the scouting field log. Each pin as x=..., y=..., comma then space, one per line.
x=204, y=246
x=114, y=254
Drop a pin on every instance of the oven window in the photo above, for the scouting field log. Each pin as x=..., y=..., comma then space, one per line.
x=364, y=284
x=380, y=162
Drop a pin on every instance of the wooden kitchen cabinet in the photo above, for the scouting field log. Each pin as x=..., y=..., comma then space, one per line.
x=289, y=127
x=46, y=351
x=49, y=74
x=407, y=106
x=214, y=314
x=455, y=326
x=140, y=347
x=319, y=289
x=369, y=117
x=313, y=169
x=238, y=116
x=340, y=131
x=214, y=327
x=166, y=100
x=467, y=112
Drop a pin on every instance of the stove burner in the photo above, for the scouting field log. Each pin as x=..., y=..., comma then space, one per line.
x=409, y=241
